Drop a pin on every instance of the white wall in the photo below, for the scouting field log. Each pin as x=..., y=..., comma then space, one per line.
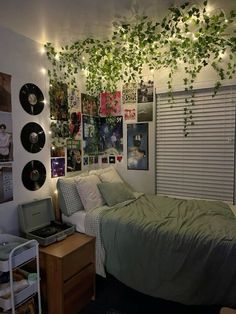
x=20, y=57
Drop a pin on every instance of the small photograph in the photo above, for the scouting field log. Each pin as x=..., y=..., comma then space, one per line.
x=146, y=91
x=91, y=160
x=145, y=112
x=129, y=93
x=90, y=105
x=95, y=160
x=129, y=112
x=57, y=151
x=5, y=92
x=119, y=158
x=112, y=159
x=57, y=167
x=85, y=161
x=104, y=159
x=110, y=104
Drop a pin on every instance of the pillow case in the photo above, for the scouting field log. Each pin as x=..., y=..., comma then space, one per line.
x=68, y=197
x=108, y=174
x=115, y=192
x=89, y=193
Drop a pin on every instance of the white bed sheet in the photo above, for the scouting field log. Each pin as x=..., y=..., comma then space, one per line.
x=77, y=219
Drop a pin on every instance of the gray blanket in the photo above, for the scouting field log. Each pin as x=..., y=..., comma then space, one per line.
x=179, y=250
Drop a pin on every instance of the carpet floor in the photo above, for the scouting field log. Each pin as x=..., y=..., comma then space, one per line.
x=112, y=297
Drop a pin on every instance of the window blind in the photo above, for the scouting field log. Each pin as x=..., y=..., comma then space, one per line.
x=203, y=163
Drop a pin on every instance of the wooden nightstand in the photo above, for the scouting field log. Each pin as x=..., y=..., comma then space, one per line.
x=67, y=270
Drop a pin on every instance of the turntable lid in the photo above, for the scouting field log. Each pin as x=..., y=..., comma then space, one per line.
x=36, y=214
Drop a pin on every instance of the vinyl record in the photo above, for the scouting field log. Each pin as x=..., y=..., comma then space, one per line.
x=33, y=175
x=32, y=137
x=31, y=99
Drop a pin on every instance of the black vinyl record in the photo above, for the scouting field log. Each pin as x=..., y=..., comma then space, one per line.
x=32, y=137
x=33, y=175
x=31, y=99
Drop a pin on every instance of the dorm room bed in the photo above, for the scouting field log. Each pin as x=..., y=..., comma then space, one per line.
x=175, y=249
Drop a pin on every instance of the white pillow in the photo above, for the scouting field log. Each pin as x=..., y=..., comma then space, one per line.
x=110, y=176
x=88, y=191
x=100, y=170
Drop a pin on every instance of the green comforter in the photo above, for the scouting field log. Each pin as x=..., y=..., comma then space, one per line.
x=179, y=250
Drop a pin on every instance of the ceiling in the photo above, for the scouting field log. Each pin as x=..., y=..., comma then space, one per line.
x=65, y=21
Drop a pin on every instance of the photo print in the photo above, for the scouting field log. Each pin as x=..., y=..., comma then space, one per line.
x=75, y=125
x=146, y=91
x=110, y=104
x=6, y=192
x=6, y=144
x=145, y=112
x=129, y=112
x=74, y=158
x=89, y=104
x=5, y=92
x=137, y=146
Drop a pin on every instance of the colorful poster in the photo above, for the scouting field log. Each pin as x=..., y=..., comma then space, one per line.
x=145, y=111
x=129, y=112
x=57, y=167
x=90, y=105
x=137, y=146
x=146, y=91
x=111, y=135
x=110, y=104
x=58, y=101
x=90, y=135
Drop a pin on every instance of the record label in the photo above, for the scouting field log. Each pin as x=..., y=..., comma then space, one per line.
x=33, y=175
x=31, y=99
x=33, y=137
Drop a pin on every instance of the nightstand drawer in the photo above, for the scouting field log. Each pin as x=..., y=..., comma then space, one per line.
x=74, y=262
x=80, y=287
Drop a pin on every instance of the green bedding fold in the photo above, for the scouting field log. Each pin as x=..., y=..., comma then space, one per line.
x=175, y=249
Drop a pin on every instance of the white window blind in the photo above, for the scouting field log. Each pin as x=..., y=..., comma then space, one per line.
x=203, y=163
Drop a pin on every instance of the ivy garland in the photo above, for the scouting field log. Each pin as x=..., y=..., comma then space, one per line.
x=186, y=35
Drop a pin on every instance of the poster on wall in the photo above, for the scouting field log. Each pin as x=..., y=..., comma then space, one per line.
x=137, y=146
x=89, y=105
x=110, y=104
x=6, y=186
x=129, y=93
x=90, y=135
x=6, y=143
x=74, y=159
x=5, y=92
x=57, y=167
x=75, y=125
x=58, y=101
x=111, y=135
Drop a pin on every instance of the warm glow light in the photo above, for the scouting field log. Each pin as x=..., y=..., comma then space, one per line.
x=49, y=132
x=43, y=70
x=42, y=50
x=57, y=56
x=55, y=192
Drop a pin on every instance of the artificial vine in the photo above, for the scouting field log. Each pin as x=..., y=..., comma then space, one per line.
x=188, y=36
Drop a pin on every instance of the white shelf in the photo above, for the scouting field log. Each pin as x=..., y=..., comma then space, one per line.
x=16, y=252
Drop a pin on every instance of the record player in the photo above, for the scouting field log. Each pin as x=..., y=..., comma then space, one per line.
x=37, y=221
